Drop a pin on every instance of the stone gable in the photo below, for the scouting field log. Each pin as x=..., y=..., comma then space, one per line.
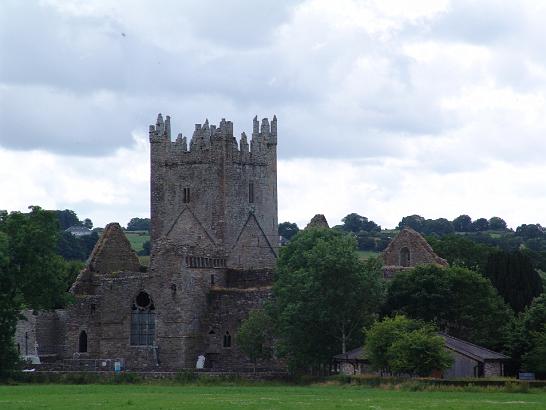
x=407, y=250
x=113, y=252
x=318, y=221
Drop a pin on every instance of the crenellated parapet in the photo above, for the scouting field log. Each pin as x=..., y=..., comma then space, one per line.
x=208, y=141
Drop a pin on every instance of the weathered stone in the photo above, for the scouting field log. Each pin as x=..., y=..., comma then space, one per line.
x=318, y=221
x=214, y=248
x=407, y=250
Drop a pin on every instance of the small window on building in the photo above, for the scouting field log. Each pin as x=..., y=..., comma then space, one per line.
x=186, y=196
x=251, y=193
x=82, y=344
x=227, y=339
x=212, y=279
x=143, y=321
x=405, y=257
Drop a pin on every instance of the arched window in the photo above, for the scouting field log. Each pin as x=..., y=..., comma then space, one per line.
x=143, y=321
x=82, y=343
x=227, y=339
x=405, y=257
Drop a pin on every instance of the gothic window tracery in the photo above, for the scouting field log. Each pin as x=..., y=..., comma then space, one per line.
x=143, y=321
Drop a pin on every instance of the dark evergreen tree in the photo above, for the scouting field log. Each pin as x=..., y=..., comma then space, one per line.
x=514, y=277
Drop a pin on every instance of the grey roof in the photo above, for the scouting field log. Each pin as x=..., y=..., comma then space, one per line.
x=471, y=350
x=463, y=347
x=355, y=354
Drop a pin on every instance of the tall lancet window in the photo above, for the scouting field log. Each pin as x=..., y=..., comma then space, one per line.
x=142, y=321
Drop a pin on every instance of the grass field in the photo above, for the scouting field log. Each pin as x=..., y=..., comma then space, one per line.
x=253, y=397
x=137, y=239
x=366, y=254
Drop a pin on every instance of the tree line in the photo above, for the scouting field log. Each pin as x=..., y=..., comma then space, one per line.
x=327, y=300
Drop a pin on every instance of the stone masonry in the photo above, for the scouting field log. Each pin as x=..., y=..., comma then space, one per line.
x=214, y=249
x=407, y=250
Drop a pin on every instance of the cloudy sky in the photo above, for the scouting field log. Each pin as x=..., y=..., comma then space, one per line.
x=386, y=108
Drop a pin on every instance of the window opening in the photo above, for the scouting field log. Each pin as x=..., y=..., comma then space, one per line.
x=82, y=345
x=142, y=321
x=404, y=257
x=227, y=339
x=251, y=193
x=186, y=196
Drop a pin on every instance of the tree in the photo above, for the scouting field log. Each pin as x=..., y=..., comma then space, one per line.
x=9, y=309
x=146, y=247
x=288, y=229
x=497, y=224
x=415, y=222
x=460, y=251
x=535, y=358
x=459, y=301
x=463, y=223
x=88, y=223
x=440, y=226
x=32, y=275
x=480, y=225
x=67, y=218
x=381, y=336
x=402, y=345
x=514, y=277
x=255, y=335
x=530, y=231
x=323, y=295
x=139, y=224
x=419, y=352
x=355, y=223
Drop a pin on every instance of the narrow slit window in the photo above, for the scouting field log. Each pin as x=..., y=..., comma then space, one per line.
x=186, y=196
x=251, y=193
x=227, y=339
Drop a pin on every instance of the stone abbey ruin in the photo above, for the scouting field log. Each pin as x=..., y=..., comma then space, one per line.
x=214, y=248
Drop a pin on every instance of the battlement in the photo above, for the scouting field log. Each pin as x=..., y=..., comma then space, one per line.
x=208, y=139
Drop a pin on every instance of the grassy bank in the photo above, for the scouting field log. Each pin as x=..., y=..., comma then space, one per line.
x=157, y=396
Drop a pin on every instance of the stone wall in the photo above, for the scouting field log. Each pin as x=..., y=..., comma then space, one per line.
x=408, y=249
x=492, y=369
x=228, y=307
x=204, y=195
x=25, y=334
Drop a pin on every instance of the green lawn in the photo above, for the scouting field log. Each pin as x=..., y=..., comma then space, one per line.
x=253, y=397
x=366, y=254
x=137, y=239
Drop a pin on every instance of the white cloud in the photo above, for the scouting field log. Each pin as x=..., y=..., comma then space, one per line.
x=386, y=107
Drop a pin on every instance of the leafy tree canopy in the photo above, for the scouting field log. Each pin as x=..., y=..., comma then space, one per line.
x=530, y=231
x=67, y=218
x=404, y=346
x=255, y=335
x=356, y=223
x=459, y=301
x=139, y=224
x=288, y=229
x=480, y=225
x=497, y=224
x=463, y=223
x=323, y=296
x=461, y=251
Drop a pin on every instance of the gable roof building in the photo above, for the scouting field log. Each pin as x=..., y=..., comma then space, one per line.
x=408, y=250
x=469, y=360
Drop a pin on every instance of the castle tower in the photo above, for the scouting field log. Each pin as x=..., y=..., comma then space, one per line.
x=213, y=198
